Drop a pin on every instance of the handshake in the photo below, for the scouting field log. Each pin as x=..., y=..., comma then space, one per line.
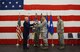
x=35, y=24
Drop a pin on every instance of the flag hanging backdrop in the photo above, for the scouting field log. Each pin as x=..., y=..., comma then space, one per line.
x=10, y=9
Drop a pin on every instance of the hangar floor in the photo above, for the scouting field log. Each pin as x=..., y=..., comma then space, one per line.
x=14, y=48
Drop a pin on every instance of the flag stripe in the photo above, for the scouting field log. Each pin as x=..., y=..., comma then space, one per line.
x=15, y=18
x=13, y=29
x=51, y=2
x=44, y=12
x=51, y=7
x=14, y=36
x=14, y=23
x=31, y=41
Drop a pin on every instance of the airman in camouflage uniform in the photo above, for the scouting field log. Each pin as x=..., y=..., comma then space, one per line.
x=60, y=31
x=36, y=31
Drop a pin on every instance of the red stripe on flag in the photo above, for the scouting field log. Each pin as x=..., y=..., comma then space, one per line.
x=15, y=18
x=13, y=29
x=10, y=18
x=51, y=7
x=31, y=41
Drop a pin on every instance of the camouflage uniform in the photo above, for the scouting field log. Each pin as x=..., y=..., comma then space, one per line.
x=60, y=31
x=43, y=31
x=36, y=32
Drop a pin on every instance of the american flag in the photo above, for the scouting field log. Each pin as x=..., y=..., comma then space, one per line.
x=51, y=28
x=69, y=10
x=18, y=30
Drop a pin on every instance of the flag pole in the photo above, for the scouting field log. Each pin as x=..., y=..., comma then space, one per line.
x=47, y=25
x=40, y=33
x=52, y=41
x=52, y=35
x=17, y=34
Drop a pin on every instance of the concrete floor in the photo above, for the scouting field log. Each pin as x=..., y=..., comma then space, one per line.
x=14, y=48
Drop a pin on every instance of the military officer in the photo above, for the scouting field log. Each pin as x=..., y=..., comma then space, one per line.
x=43, y=32
x=60, y=31
x=36, y=31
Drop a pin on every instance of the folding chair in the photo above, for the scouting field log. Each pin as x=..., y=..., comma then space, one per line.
x=70, y=37
x=78, y=36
